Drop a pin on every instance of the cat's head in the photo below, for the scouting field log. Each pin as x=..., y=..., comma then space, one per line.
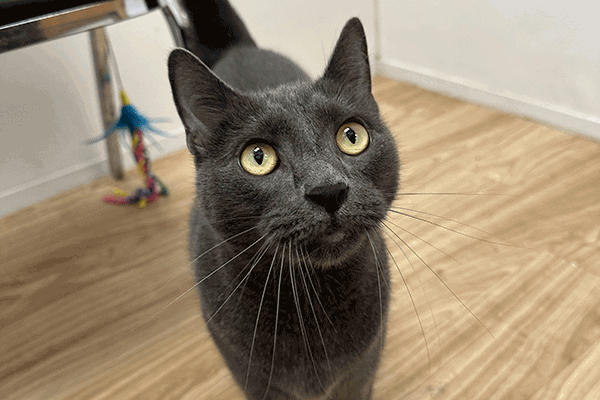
x=308, y=163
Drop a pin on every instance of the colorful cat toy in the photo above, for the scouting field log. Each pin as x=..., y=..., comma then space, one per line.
x=134, y=121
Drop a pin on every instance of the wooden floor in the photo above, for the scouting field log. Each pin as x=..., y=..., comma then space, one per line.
x=86, y=288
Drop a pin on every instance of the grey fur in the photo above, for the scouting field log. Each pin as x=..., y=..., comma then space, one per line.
x=329, y=296
x=250, y=69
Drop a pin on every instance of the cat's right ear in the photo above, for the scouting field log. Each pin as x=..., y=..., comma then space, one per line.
x=200, y=97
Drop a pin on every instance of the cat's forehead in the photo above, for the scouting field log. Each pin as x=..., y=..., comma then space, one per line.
x=295, y=115
x=292, y=98
x=300, y=105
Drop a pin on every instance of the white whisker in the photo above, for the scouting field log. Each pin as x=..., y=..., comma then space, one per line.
x=211, y=274
x=422, y=240
x=380, y=299
x=300, y=318
x=261, y=251
x=201, y=255
x=314, y=312
x=421, y=286
x=276, y=322
x=221, y=243
x=443, y=283
x=454, y=194
x=453, y=230
x=314, y=288
x=413, y=303
x=262, y=298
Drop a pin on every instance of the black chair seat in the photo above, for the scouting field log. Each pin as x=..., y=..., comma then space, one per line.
x=14, y=11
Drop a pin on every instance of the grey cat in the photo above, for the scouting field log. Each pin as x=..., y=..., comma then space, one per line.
x=294, y=179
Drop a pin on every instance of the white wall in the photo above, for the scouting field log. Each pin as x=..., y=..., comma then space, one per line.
x=49, y=102
x=536, y=58
x=305, y=31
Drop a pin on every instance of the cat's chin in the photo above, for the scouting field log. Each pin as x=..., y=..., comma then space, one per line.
x=333, y=249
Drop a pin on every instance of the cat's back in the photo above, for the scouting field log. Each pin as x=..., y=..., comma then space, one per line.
x=249, y=68
x=230, y=51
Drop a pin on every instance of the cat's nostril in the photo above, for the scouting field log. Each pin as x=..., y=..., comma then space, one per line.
x=329, y=196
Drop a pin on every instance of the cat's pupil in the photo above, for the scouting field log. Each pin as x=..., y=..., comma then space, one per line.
x=350, y=134
x=258, y=155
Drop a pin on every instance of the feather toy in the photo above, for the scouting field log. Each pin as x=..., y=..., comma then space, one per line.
x=132, y=120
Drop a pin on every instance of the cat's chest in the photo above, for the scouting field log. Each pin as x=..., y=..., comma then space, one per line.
x=333, y=312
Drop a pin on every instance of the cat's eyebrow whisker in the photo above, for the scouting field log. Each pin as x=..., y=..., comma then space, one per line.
x=422, y=240
x=380, y=298
x=262, y=298
x=452, y=230
x=255, y=260
x=314, y=288
x=296, y=296
x=443, y=283
x=413, y=303
x=211, y=274
x=301, y=265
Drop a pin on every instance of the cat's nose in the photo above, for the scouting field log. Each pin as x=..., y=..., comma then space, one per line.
x=329, y=196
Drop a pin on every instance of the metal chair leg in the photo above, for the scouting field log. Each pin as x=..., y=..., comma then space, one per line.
x=107, y=105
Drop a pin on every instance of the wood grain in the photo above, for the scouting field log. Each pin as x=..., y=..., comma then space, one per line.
x=88, y=290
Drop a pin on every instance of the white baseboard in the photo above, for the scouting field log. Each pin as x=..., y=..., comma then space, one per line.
x=559, y=117
x=52, y=184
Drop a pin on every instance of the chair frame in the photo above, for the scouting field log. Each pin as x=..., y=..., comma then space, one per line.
x=93, y=18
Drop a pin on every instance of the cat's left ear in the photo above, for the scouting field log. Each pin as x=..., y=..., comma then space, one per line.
x=349, y=63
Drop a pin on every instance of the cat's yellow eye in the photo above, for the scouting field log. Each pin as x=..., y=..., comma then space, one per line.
x=259, y=159
x=352, y=138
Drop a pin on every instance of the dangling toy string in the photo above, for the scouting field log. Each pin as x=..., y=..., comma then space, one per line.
x=135, y=122
x=154, y=186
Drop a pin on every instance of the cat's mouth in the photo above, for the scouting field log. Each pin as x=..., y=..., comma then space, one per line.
x=334, y=247
x=334, y=237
